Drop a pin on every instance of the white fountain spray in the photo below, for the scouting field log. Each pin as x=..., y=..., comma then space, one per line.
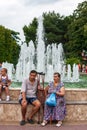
x=47, y=61
x=40, y=46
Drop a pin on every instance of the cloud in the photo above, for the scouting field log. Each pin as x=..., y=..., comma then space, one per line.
x=38, y=2
x=14, y=14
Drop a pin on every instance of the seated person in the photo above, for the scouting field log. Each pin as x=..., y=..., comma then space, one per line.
x=5, y=82
x=58, y=112
x=0, y=67
x=28, y=95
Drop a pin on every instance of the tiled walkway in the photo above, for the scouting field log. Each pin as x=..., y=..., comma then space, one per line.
x=70, y=126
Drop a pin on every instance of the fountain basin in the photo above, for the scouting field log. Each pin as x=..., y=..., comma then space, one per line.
x=81, y=84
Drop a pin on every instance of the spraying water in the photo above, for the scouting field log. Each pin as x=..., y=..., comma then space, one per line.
x=47, y=60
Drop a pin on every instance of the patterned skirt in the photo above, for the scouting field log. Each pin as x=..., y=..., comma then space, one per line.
x=56, y=113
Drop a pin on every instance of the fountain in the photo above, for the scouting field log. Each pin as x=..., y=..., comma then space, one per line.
x=40, y=47
x=48, y=60
x=25, y=62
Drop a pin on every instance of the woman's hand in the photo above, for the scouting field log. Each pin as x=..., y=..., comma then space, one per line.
x=61, y=92
x=57, y=93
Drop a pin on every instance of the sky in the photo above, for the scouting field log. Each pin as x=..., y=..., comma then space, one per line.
x=14, y=14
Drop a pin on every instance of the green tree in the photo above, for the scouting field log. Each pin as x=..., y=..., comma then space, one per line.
x=77, y=32
x=70, y=30
x=30, y=31
x=9, y=49
x=55, y=28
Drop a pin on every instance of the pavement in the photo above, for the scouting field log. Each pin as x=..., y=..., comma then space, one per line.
x=65, y=126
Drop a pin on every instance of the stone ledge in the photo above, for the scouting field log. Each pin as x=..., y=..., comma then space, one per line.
x=71, y=94
x=76, y=102
x=9, y=102
x=11, y=111
x=76, y=89
x=67, y=102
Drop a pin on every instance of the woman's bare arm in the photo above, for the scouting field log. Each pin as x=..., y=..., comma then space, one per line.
x=61, y=92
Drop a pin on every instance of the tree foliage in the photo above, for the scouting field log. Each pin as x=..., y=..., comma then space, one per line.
x=72, y=60
x=30, y=31
x=55, y=28
x=9, y=49
x=77, y=32
x=70, y=30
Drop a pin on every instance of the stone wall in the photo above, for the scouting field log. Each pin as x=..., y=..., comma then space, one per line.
x=71, y=94
x=76, y=94
x=76, y=100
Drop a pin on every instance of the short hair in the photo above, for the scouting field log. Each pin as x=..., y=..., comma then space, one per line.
x=57, y=74
x=33, y=71
x=5, y=70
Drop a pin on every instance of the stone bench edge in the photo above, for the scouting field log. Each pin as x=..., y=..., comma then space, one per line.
x=67, y=102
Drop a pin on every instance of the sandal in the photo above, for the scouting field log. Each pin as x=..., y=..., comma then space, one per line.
x=59, y=123
x=44, y=123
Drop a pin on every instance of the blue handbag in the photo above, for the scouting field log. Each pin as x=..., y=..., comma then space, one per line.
x=51, y=100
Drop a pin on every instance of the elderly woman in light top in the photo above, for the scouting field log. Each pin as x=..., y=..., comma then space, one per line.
x=59, y=111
